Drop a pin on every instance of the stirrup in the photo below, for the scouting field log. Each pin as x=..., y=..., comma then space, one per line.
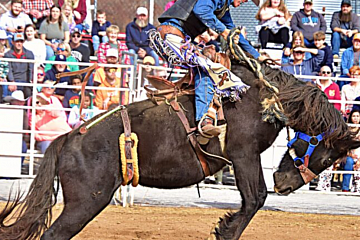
x=208, y=131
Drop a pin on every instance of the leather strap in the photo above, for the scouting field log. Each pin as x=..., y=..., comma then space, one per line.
x=128, y=142
x=88, y=72
x=200, y=155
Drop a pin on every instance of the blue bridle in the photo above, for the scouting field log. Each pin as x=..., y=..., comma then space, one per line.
x=306, y=138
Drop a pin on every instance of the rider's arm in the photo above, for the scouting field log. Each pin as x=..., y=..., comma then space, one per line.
x=244, y=44
x=204, y=10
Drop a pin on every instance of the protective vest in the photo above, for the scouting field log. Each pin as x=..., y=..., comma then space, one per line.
x=182, y=10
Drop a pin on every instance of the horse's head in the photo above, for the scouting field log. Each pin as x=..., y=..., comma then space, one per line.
x=307, y=157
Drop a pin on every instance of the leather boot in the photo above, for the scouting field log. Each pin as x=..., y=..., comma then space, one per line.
x=209, y=129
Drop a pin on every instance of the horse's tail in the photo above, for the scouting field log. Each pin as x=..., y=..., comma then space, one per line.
x=33, y=214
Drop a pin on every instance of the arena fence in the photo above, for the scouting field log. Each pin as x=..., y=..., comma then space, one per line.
x=270, y=158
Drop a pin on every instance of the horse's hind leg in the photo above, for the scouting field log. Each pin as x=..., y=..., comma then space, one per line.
x=87, y=190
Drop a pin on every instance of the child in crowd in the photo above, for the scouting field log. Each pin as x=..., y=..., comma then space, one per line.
x=98, y=31
x=112, y=33
x=68, y=16
x=71, y=97
x=88, y=111
x=297, y=40
x=4, y=70
x=319, y=41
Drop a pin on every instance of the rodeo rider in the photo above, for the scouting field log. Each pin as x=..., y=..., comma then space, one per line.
x=192, y=18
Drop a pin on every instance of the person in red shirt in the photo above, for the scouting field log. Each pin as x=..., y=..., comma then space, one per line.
x=330, y=88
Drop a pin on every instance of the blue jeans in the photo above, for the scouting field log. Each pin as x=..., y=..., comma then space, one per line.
x=49, y=52
x=337, y=42
x=309, y=44
x=204, y=92
x=349, y=166
x=152, y=54
x=43, y=145
x=96, y=41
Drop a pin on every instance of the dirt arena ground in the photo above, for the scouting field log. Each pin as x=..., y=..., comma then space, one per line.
x=167, y=223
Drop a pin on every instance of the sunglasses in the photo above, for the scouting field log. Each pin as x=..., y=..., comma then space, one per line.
x=76, y=35
x=61, y=49
x=323, y=72
x=40, y=74
x=298, y=52
x=112, y=70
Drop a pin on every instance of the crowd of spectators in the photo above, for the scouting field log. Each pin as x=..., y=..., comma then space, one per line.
x=42, y=30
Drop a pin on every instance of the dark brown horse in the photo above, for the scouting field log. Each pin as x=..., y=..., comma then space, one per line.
x=87, y=165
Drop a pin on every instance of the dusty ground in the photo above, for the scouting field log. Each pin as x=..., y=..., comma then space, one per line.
x=167, y=223
x=194, y=223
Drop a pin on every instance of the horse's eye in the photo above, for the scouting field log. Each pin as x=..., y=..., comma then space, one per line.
x=327, y=162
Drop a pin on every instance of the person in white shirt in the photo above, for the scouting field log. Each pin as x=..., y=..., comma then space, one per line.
x=14, y=20
x=36, y=45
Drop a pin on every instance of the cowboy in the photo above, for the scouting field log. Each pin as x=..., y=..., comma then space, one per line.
x=192, y=18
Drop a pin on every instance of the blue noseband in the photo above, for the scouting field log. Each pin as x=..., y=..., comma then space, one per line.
x=306, y=138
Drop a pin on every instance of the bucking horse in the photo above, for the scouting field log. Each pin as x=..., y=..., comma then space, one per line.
x=88, y=166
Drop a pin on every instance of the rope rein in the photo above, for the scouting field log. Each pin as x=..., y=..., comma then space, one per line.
x=272, y=106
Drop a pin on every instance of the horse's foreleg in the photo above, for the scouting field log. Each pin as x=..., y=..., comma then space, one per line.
x=251, y=184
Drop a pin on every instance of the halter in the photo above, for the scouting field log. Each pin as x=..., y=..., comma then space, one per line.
x=305, y=172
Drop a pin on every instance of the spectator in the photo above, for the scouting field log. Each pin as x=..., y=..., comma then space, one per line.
x=299, y=66
x=353, y=156
x=4, y=70
x=14, y=20
x=49, y=119
x=330, y=88
x=169, y=5
x=104, y=98
x=58, y=68
x=112, y=33
x=297, y=40
x=38, y=10
x=68, y=16
x=112, y=57
x=319, y=41
x=79, y=9
x=79, y=50
x=40, y=78
x=137, y=37
x=350, y=91
x=19, y=71
x=274, y=22
x=98, y=31
x=35, y=45
x=308, y=22
x=54, y=30
x=344, y=24
x=71, y=97
x=4, y=42
x=349, y=58
x=89, y=111
x=63, y=49
x=17, y=98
